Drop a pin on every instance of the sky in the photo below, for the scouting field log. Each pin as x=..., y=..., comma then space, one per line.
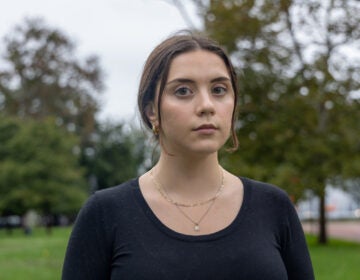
x=121, y=32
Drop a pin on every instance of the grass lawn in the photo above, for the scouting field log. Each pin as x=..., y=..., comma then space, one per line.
x=40, y=256
x=339, y=260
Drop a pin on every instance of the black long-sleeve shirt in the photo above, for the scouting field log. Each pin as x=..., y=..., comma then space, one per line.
x=117, y=236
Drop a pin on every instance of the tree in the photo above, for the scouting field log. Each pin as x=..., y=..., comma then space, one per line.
x=42, y=77
x=299, y=112
x=117, y=156
x=38, y=168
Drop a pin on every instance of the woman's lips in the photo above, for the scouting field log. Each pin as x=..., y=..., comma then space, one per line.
x=206, y=128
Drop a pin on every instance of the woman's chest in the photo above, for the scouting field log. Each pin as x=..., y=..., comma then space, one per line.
x=242, y=257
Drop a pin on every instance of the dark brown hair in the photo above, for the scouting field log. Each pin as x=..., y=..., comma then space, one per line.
x=157, y=67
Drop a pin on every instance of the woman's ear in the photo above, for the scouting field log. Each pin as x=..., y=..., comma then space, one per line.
x=153, y=118
x=151, y=114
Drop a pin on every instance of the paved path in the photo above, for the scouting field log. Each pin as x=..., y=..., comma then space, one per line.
x=340, y=230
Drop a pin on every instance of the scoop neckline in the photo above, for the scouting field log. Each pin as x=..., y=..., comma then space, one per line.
x=194, y=238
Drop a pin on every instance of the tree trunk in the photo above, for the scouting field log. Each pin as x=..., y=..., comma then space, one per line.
x=322, y=237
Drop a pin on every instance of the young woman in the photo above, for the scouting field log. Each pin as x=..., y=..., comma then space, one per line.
x=188, y=218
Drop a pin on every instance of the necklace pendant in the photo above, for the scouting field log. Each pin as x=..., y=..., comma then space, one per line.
x=196, y=227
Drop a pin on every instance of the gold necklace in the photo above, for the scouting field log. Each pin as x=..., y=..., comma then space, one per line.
x=164, y=194
x=179, y=205
x=196, y=223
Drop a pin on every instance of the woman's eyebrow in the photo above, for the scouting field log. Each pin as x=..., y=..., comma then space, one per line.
x=180, y=80
x=221, y=79
x=186, y=80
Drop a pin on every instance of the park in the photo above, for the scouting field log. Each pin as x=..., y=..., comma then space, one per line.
x=297, y=123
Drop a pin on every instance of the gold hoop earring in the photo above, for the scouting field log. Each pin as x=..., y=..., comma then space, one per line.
x=155, y=130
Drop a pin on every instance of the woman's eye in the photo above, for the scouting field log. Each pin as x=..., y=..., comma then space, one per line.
x=183, y=91
x=219, y=90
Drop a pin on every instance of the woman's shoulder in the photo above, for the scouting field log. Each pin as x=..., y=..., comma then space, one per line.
x=265, y=189
x=116, y=193
x=270, y=200
x=111, y=198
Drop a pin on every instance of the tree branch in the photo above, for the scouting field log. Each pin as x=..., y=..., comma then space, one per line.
x=183, y=12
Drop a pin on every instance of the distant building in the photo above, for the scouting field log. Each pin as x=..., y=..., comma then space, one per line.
x=339, y=205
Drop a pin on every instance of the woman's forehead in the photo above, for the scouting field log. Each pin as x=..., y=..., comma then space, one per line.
x=197, y=64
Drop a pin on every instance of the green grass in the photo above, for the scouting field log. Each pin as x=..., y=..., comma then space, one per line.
x=40, y=256
x=338, y=260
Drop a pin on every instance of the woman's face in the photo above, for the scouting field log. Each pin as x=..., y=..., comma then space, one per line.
x=197, y=104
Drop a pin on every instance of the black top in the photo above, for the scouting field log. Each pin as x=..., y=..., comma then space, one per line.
x=117, y=236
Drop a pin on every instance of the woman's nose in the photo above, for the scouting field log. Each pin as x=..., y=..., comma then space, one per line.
x=205, y=103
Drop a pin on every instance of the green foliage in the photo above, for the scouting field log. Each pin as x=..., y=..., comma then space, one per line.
x=298, y=116
x=41, y=77
x=117, y=156
x=299, y=112
x=38, y=168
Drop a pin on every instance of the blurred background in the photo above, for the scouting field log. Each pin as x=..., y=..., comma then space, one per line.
x=73, y=68
x=69, y=73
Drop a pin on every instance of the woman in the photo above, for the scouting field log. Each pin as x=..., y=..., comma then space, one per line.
x=188, y=218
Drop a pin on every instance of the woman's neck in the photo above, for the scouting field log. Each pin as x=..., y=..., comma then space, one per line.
x=187, y=179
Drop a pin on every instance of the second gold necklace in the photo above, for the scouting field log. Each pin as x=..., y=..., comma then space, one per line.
x=178, y=205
